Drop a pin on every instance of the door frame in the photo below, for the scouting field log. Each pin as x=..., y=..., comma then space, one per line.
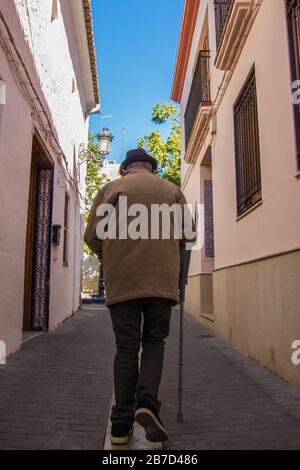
x=36, y=311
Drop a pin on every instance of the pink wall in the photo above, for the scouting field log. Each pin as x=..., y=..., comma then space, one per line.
x=14, y=177
x=275, y=225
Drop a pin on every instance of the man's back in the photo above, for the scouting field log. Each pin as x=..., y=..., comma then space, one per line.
x=132, y=229
x=144, y=187
x=138, y=262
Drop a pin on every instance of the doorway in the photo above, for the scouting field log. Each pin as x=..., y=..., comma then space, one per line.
x=38, y=240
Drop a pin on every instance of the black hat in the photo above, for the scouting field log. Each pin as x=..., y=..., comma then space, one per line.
x=137, y=155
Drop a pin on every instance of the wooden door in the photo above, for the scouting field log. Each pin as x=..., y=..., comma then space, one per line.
x=38, y=240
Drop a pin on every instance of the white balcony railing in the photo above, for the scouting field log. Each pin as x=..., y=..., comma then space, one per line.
x=199, y=133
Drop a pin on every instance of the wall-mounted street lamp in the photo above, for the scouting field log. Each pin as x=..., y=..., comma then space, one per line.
x=104, y=140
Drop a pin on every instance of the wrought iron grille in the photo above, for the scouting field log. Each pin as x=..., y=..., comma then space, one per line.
x=293, y=20
x=247, y=151
x=209, y=220
x=222, y=9
x=199, y=94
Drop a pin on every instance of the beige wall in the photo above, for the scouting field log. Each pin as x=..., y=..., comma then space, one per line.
x=256, y=305
x=275, y=225
x=199, y=299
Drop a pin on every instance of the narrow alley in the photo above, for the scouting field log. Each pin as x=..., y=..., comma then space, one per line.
x=149, y=192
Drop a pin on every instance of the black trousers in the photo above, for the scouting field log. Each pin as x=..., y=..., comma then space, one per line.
x=131, y=381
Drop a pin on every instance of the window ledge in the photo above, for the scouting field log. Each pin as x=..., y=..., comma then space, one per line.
x=208, y=316
x=297, y=175
x=255, y=206
x=233, y=33
x=199, y=133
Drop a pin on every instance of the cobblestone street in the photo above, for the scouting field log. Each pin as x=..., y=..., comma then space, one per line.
x=56, y=392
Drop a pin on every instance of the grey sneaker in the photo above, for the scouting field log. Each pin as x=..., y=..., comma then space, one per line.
x=148, y=418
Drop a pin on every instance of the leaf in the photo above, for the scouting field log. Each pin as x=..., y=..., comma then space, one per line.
x=167, y=152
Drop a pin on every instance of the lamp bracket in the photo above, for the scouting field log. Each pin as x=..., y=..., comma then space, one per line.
x=85, y=154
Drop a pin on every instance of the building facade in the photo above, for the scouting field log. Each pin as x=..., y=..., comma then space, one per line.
x=49, y=86
x=236, y=75
x=110, y=170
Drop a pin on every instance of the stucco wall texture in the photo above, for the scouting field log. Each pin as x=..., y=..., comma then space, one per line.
x=49, y=46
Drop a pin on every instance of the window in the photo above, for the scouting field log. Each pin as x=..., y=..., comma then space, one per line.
x=200, y=92
x=293, y=20
x=247, y=151
x=222, y=9
x=66, y=230
x=54, y=10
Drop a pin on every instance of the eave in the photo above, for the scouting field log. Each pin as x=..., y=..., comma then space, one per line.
x=191, y=9
x=81, y=15
x=92, y=49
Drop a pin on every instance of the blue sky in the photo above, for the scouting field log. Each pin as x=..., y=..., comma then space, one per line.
x=136, y=42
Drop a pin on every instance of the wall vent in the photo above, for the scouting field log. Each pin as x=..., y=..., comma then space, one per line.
x=272, y=355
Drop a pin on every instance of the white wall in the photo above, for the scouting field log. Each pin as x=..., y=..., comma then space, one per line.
x=14, y=176
x=49, y=46
x=56, y=65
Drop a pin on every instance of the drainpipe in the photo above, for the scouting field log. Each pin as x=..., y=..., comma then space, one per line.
x=95, y=110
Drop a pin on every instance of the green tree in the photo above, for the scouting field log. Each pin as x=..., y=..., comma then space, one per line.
x=93, y=181
x=166, y=152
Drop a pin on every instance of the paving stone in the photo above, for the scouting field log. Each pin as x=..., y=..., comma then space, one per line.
x=56, y=390
x=55, y=393
x=229, y=400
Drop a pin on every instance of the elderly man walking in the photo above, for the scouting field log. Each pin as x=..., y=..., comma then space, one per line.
x=141, y=282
